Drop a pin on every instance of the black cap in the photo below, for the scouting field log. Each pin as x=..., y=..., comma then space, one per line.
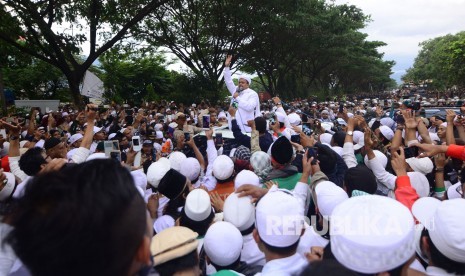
x=281, y=150
x=51, y=142
x=172, y=184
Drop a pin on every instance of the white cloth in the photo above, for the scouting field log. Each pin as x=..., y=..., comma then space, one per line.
x=207, y=179
x=348, y=155
x=436, y=271
x=7, y=255
x=250, y=252
x=291, y=265
x=310, y=238
x=248, y=102
x=14, y=168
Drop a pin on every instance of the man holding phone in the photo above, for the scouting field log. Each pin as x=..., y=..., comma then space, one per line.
x=244, y=99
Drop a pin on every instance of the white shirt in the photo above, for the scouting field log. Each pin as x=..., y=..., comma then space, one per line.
x=436, y=271
x=309, y=239
x=292, y=265
x=250, y=252
x=7, y=255
x=208, y=180
x=248, y=102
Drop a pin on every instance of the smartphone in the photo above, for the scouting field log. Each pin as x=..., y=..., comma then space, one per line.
x=313, y=152
x=136, y=143
x=187, y=136
x=307, y=129
x=219, y=139
x=410, y=152
x=108, y=147
x=341, y=107
x=206, y=121
x=116, y=155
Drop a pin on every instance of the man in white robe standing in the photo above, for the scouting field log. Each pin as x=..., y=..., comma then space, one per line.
x=245, y=100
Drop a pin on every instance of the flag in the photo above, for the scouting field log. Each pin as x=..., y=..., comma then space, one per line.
x=92, y=86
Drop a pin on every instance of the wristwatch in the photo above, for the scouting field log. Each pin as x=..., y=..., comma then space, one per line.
x=350, y=133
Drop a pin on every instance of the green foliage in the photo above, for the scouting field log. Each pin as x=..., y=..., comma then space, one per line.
x=441, y=61
x=54, y=31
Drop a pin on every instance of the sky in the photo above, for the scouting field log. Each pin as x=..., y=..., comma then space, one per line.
x=403, y=24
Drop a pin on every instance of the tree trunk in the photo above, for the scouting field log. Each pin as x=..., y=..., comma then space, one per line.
x=2, y=93
x=73, y=82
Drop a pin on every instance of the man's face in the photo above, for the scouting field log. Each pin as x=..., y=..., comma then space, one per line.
x=243, y=84
x=181, y=120
x=146, y=148
x=99, y=136
x=58, y=151
x=213, y=117
x=56, y=135
x=77, y=144
x=324, y=115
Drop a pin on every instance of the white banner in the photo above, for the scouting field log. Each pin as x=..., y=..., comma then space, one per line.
x=92, y=86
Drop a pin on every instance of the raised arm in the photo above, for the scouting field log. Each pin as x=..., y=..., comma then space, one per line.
x=450, y=127
x=227, y=75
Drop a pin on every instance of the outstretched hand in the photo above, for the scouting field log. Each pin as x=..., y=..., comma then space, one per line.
x=227, y=62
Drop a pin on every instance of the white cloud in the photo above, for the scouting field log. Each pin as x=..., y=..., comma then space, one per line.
x=403, y=24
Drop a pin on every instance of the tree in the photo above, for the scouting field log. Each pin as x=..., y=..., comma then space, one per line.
x=54, y=30
x=200, y=33
x=441, y=60
x=131, y=76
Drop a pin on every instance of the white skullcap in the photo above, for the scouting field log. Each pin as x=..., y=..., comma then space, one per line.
x=247, y=78
x=329, y=195
x=75, y=137
x=163, y=223
x=221, y=115
x=159, y=134
x=239, y=211
x=294, y=119
x=387, y=132
x=158, y=127
x=157, y=147
x=157, y=170
x=423, y=165
x=281, y=117
x=387, y=122
x=198, y=206
x=325, y=112
x=111, y=136
x=341, y=121
x=372, y=234
x=246, y=177
x=97, y=155
x=7, y=191
x=420, y=183
x=190, y=168
x=357, y=136
x=223, y=243
x=379, y=156
x=97, y=129
x=445, y=223
x=452, y=191
x=444, y=124
x=140, y=179
x=223, y=167
x=173, y=125
x=326, y=138
x=279, y=219
x=176, y=158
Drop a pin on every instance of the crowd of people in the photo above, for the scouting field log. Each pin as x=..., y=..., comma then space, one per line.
x=365, y=186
